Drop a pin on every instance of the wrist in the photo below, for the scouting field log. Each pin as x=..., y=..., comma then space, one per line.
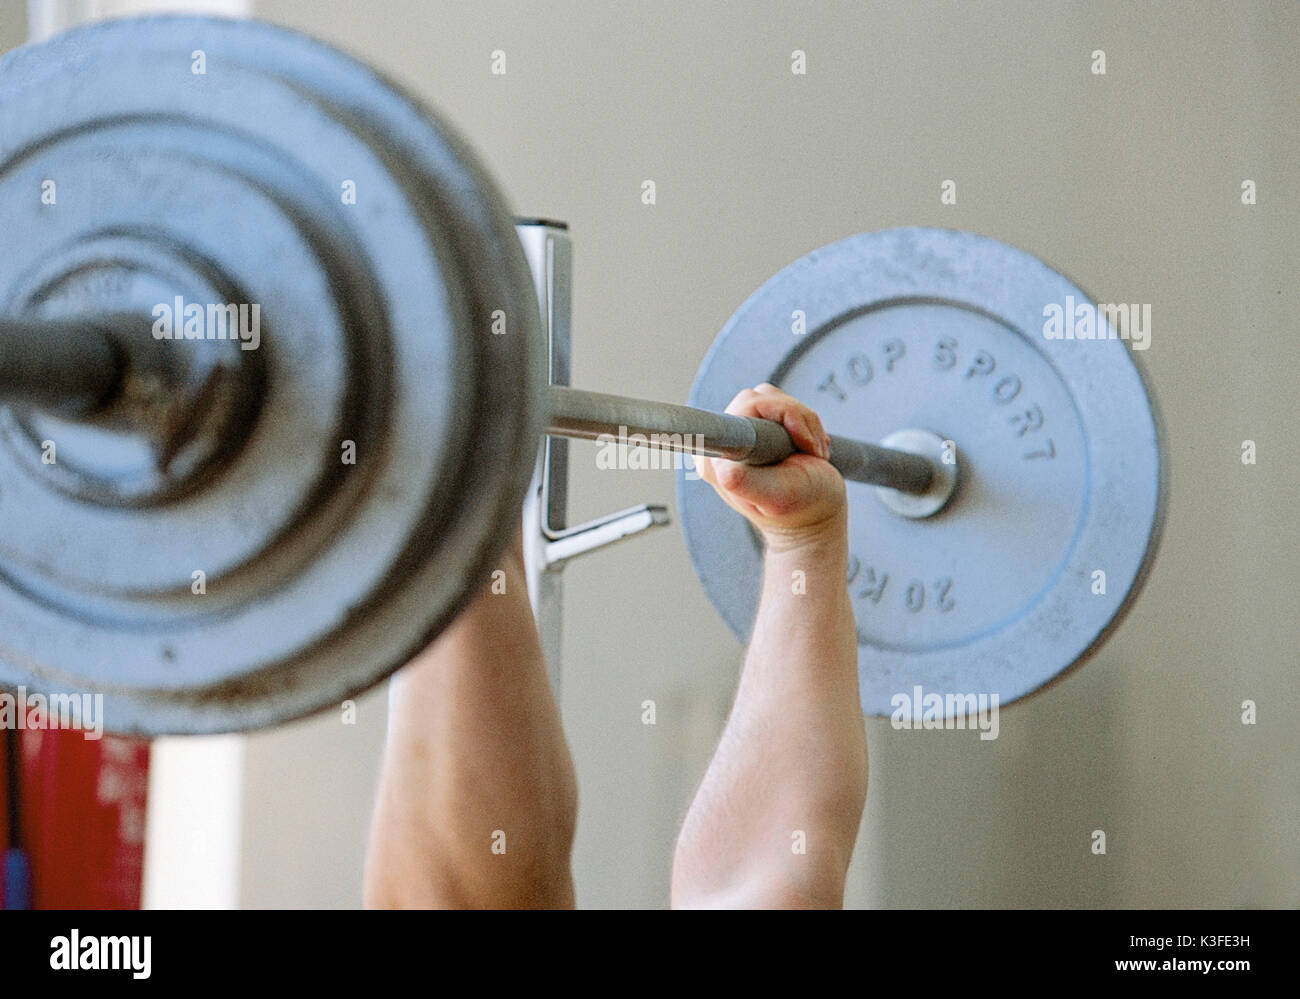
x=824, y=539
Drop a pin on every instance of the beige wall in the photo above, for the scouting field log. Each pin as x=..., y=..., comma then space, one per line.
x=13, y=25
x=1129, y=182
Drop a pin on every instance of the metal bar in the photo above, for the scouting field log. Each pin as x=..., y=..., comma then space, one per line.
x=595, y=416
x=549, y=542
x=69, y=368
x=546, y=248
x=72, y=368
x=603, y=532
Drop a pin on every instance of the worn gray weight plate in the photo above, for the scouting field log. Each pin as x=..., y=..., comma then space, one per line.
x=1061, y=472
x=321, y=577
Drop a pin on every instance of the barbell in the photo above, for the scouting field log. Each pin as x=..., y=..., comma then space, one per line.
x=272, y=383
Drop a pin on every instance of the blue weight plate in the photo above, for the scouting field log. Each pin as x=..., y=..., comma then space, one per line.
x=1061, y=470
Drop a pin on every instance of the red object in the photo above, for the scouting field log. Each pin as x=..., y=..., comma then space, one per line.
x=4, y=791
x=82, y=815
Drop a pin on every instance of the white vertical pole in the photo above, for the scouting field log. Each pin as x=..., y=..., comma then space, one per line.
x=192, y=841
x=49, y=17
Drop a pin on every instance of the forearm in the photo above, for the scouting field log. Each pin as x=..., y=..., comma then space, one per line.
x=477, y=797
x=790, y=770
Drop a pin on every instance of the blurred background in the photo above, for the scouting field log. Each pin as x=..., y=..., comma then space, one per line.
x=1129, y=182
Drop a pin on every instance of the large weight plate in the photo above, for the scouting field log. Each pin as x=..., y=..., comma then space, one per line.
x=1061, y=472
x=321, y=577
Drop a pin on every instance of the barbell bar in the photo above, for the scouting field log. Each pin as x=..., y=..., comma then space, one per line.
x=87, y=372
x=70, y=367
x=597, y=416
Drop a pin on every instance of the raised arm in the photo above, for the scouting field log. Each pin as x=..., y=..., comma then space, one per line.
x=477, y=799
x=774, y=821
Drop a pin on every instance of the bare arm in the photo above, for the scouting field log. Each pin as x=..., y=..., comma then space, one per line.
x=477, y=800
x=776, y=816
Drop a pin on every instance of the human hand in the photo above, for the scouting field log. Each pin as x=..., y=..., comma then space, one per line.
x=798, y=501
